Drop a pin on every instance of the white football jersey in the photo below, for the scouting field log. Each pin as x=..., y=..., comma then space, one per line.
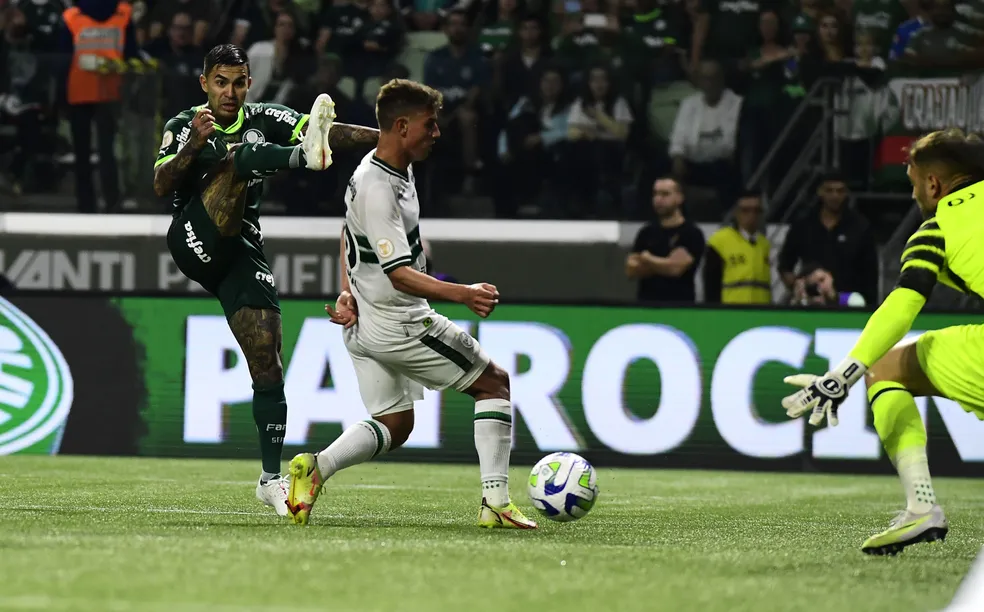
x=381, y=234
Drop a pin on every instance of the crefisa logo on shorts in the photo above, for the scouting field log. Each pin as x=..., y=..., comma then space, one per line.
x=36, y=387
x=195, y=244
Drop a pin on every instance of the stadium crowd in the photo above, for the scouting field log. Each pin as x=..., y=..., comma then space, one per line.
x=563, y=109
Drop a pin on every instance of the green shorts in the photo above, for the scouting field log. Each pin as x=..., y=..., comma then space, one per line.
x=953, y=360
x=229, y=267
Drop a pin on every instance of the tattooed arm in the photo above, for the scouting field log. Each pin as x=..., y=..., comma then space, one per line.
x=170, y=174
x=346, y=136
x=173, y=160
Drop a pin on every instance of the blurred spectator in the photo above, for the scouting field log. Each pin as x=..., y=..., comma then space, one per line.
x=833, y=39
x=181, y=61
x=583, y=26
x=940, y=45
x=736, y=262
x=699, y=22
x=835, y=238
x=41, y=20
x=257, y=21
x=200, y=12
x=598, y=126
x=880, y=19
x=324, y=78
x=864, y=108
x=381, y=38
x=760, y=123
x=658, y=31
x=460, y=72
x=92, y=96
x=276, y=66
x=531, y=148
x=667, y=252
x=518, y=74
x=919, y=13
x=497, y=26
x=970, y=22
x=340, y=23
x=705, y=136
x=734, y=29
x=25, y=95
x=810, y=9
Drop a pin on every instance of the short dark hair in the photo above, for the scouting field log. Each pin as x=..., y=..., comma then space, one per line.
x=460, y=12
x=951, y=150
x=401, y=97
x=676, y=183
x=225, y=55
x=832, y=176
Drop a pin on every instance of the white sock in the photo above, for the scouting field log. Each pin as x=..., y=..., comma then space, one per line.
x=493, y=441
x=267, y=476
x=357, y=444
x=913, y=468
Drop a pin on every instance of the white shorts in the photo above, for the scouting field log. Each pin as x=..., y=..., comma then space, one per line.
x=392, y=380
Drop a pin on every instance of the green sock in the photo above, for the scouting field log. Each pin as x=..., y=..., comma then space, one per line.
x=263, y=159
x=270, y=416
x=903, y=434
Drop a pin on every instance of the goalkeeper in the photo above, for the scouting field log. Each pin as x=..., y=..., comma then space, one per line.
x=946, y=169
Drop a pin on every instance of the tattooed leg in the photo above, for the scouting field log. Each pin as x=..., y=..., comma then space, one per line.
x=225, y=197
x=259, y=333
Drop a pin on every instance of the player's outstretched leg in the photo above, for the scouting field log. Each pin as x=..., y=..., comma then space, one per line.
x=493, y=441
x=263, y=159
x=892, y=383
x=359, y=443
x=260, y=335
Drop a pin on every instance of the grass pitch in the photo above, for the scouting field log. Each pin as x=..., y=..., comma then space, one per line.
x=188, y=536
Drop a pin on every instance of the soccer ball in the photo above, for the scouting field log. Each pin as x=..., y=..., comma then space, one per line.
x=562, y=487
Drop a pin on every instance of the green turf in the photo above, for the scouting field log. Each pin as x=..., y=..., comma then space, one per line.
x=187, y=536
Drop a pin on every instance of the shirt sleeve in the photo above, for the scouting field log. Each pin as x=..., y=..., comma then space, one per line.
x=385, y=231
x=923, y=259
x=176, y=133
x=622, y=113
x=287, y=125
x=640, y=241
x=713, y=271
x=693, y=242
x=888, y=325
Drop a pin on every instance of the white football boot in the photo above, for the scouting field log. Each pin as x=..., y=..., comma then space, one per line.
x=315, y=144
x=274, y=493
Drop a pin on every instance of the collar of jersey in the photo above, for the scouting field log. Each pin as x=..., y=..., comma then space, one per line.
x=232, y=129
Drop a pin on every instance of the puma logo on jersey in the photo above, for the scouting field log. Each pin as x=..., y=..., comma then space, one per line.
x=195, y=244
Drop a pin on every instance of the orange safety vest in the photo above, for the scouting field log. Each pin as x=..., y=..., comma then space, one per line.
x=103, y=39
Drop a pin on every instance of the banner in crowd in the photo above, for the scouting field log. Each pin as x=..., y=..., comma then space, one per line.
x=624, y=386
x=929, y=104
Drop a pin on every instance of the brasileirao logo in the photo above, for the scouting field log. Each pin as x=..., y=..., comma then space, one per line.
x=36, y=387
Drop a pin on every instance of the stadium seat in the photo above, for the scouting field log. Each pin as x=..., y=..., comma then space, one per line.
x=419, y=44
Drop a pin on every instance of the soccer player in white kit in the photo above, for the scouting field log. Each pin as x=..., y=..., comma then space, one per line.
x=397, y=342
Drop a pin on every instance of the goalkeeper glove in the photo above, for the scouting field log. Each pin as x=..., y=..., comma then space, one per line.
x=822, y=395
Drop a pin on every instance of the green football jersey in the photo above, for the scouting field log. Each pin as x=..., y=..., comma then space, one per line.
x=881, y=18
x=256, y=123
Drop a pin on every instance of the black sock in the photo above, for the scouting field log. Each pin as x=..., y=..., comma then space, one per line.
x=270, y=416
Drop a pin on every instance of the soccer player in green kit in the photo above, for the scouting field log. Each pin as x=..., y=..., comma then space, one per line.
x=946, y=169
x=213, y=159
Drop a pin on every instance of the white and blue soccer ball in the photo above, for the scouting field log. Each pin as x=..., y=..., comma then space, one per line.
x=563, y=487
